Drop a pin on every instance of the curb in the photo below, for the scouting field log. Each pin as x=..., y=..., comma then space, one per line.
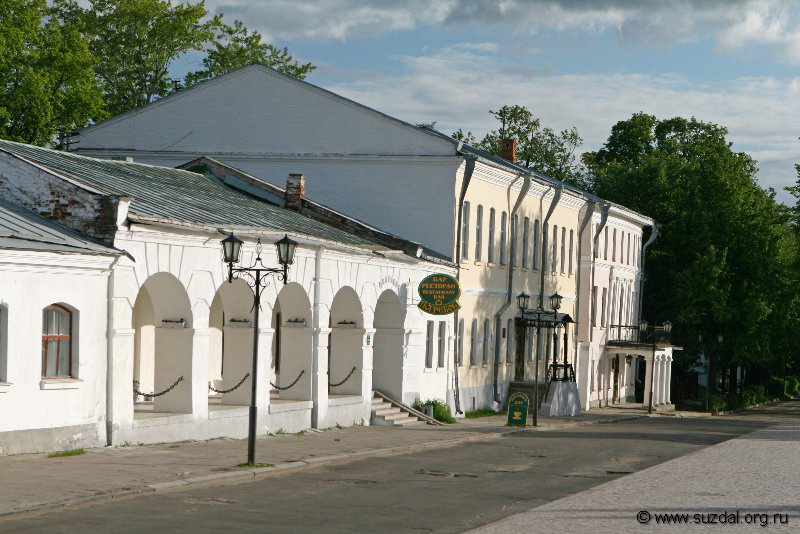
x=244, y=474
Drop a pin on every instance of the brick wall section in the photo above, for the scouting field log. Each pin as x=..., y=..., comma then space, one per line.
x=89, y=213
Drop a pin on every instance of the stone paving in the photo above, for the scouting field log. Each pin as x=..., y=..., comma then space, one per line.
x=755, y=474
x=34, y=481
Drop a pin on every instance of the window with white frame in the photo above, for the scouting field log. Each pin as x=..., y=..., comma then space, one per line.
x=473, y=343
x=460, y=337
x=57, y=345
x=571, y=235
x=614, y=246
x=596, y=242
x=628, y=250
x=605, y=243
x=563, y=249
x=526, y=229
x=429, y=345
x=487, y=340
x=490, y=251
x=442, y=352
x=603, y=302
x=503, y=242
x=594, y=306
x=478, y=232
x=465, y=231
x=510, y=341
x=554, y=266
x=535, y=244
x=544, y=246
x=514, y=236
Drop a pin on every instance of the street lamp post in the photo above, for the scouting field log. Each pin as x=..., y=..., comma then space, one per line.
x=667, y=328
x=522, y=302
x=255, y=277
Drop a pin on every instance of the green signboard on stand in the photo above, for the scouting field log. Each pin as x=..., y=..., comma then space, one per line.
x=518, y=404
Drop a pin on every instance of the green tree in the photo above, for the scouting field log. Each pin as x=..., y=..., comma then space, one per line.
x=136, y=41
x=234, y=47
x=48, y=84
x=720, y=264
x=538, y=147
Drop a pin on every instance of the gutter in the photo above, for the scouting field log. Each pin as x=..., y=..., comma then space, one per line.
x=468, y=170
x=591, y=206
x=603, y=219
x=526, y=185
x=653, y=235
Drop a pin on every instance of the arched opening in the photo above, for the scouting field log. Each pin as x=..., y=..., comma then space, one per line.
x=291, y=318
x=387, y=375
x=230, y=355
x=345, y=350
x=162, y=365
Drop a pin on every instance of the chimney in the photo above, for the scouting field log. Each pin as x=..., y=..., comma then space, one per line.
x=295, y=189
x=508, y=148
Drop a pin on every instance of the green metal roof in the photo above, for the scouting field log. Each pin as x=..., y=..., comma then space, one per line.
x=179, y=195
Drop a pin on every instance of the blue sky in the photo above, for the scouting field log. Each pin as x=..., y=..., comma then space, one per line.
x=582, y=63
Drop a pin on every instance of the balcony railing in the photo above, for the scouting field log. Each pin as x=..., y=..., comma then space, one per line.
x=629, y=334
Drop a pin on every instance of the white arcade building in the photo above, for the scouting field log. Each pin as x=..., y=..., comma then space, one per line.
x=131, y=300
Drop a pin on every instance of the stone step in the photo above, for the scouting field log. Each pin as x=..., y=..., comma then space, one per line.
x=386, y=410
x=395, y=416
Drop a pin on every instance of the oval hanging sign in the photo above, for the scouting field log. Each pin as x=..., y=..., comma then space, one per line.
x=439, y=294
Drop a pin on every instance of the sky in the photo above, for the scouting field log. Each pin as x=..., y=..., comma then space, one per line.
x=581, y=63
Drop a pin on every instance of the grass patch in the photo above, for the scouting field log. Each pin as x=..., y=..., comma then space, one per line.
x=440, y=410
x=70, y=452
x=481, y=413
x=255, y=465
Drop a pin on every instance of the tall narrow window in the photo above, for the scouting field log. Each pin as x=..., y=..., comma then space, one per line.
x=514, y=241
x=605, y=243
x=429, y=346
x=554, y=267
x=571, y=235
x=614, y=246
x=510, y=341
x=56, y=342
x=490, y=251
x=596, y=242
x=544, y=246
x=526, y=231
x=535, y=261
x=460, y=351
x=503, y=241
x=3, y=344
x=465, y=231
x=473, y=343
x=487, y=340
x=478, y=232
x=530, y=342
x=594, y=306
x=628, y=250
x=603, y=302
x=442, y=352
x=563, y=249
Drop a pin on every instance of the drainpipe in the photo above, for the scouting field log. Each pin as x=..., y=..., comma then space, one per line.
x=656, y=227
x=526, y=185
x=590, y=207
x=603, y=219
x=468, y=170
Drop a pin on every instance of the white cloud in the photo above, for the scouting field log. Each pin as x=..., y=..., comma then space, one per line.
x=732, y=24
x=457, y=86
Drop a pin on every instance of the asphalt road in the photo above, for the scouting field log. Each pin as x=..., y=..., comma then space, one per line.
x=443, y=490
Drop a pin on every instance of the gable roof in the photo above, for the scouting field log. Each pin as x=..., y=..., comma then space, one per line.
x=21, y=229
x=171, y=195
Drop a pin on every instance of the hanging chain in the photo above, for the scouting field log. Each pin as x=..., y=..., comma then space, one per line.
x=353, y=370
x=223, y=391
x=153, y=395
x=290, y=385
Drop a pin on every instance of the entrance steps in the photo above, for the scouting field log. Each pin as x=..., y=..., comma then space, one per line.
x=390, y=412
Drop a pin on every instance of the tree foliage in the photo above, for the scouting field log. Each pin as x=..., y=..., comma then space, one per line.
x=48, y=83
x=538, y=147
x=726, y=257
x=234, y=47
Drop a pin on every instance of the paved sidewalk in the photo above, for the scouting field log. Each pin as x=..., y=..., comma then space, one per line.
x=34, y=481
x=757, y=473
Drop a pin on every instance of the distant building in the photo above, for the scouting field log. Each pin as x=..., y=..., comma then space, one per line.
x=142, y=338
x=508, y=229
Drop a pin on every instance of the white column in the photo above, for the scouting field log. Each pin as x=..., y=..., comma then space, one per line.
x=669, y=380
x=319, y=392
